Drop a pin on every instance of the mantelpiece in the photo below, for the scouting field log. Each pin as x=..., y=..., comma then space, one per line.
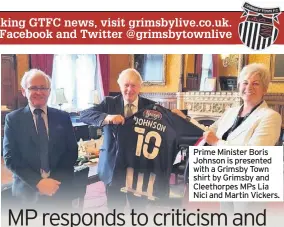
x=207, y=105
x=211, y=105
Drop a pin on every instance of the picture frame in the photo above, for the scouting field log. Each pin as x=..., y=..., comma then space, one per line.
x=152, y=68
x=277, y=67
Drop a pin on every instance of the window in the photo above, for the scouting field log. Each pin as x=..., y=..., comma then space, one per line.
x=207, y=67
x=76, y=74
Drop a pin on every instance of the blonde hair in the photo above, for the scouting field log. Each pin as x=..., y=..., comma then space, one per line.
x=255, y=68
x=133, y=72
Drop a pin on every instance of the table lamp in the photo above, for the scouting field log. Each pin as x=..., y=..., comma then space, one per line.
x=60, y=98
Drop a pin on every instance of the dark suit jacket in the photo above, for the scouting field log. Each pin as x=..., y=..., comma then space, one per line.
x=21, y=151
x=96, y=116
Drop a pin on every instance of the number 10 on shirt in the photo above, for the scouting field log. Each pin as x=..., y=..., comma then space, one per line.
x=143, y=143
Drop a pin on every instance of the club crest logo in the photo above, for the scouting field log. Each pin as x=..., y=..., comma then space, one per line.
x=258, y=30
x=152, y=115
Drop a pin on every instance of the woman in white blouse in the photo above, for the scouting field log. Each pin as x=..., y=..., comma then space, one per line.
x=252, y=124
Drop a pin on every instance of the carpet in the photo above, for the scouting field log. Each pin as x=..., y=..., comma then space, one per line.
x=95, y=199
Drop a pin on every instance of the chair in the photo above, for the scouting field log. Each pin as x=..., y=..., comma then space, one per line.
x=183, y=146
x=179, y=168
x=206, y=122
x=95, y=132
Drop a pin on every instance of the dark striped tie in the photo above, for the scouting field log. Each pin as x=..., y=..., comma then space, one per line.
x=43, y=143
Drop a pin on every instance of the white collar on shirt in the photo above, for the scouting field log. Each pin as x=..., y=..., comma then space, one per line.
x=44, y=109
x=135, y=103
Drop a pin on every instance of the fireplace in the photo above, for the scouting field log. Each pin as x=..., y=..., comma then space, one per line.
x=207, y=105
x=211, y=105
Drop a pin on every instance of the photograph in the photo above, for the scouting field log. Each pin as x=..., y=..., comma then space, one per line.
x=124, y=114
x=92, y=102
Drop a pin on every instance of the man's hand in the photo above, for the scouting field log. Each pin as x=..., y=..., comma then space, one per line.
x=48, y=186
x=179, y=113
x=114, y=119
x=210, y=138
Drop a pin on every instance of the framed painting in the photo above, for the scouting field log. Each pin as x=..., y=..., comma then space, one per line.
x=152, y=68
x=277, y=67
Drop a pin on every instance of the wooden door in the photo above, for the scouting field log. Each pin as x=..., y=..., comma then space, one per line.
x=8, y=81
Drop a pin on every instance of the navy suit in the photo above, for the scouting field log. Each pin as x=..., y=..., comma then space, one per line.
x=96, y=116
x=22, y=157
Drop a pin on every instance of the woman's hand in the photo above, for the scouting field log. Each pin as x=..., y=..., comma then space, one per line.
x=179, y=113
x=210, y=138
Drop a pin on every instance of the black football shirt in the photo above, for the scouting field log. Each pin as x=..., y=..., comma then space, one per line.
x=147, y=145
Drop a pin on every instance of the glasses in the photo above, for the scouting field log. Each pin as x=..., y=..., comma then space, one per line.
x=38, y=89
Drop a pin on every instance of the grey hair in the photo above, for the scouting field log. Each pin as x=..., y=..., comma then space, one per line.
x=255, y=68
x=133, y=72
x=31, y=73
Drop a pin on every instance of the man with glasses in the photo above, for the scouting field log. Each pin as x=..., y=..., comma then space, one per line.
x=40, y=147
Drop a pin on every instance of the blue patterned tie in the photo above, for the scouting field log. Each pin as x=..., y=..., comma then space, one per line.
x=43, y=143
